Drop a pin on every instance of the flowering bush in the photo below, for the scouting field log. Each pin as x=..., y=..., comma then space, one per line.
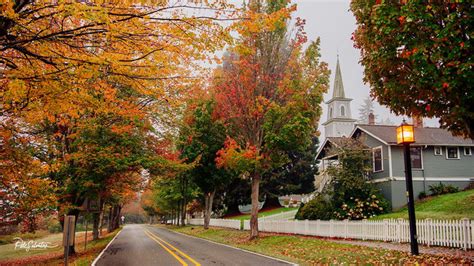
x=357, y=209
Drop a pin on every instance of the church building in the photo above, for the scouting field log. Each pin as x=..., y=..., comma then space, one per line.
x=339, y=121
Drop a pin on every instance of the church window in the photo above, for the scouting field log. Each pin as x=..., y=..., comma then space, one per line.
x=343, y=111
x=330, y=112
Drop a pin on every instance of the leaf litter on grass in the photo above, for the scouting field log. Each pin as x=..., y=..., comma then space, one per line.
x=308, y=250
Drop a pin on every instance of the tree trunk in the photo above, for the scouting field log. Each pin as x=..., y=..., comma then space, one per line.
x=95, y=225
x=183, y=213
x=118, y=211
x=101, y=219
x=109, y=225
x=96, y=220
x=254, y=213
x=114, y=218
x=208, y=200
x=178, y=216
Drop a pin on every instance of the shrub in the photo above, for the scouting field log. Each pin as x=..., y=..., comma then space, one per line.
x=441, y=189
x=358, y=209
x=317, y=208
x=422, y=195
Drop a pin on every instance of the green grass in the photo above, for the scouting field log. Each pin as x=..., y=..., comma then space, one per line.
x=450, y=206
x=310, y=250
x=262, y=214
x=8, y=239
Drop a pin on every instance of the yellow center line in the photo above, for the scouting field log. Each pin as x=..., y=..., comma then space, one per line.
x=176, y=249
x=167, y=249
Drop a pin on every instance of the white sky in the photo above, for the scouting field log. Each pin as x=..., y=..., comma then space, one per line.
x=334, y=23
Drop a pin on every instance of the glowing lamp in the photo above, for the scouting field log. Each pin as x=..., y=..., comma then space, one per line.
x=405, y=136
x=405, y=133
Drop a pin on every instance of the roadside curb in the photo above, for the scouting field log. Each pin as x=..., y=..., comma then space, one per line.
x=244, y=250
x=102, y=252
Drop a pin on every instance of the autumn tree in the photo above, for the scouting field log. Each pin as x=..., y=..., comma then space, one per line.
x=72, y=70
x=200, y=140
x=23, y=200
x=269, y=95
x=418, y=58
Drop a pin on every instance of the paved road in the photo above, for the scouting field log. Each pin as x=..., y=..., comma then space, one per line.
x=147, y=245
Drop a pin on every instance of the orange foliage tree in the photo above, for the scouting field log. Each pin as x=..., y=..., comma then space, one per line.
x=268, y=93
x=76, y=73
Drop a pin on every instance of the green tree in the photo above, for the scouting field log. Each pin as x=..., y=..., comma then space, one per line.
x=418, y=58
x=294, y=177
x=200, y=140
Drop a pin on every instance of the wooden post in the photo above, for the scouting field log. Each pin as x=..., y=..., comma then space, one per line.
x=68, y=235
x=346, y=228
x=466, y=233
x=385, y=230
x=85, y=236
x=306, y=227
x=331, y=228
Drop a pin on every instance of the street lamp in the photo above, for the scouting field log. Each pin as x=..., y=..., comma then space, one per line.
x=405, y=136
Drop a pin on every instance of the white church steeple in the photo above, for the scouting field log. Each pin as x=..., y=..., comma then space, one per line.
x=339, y=121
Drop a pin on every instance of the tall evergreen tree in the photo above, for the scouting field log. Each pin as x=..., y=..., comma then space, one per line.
x=365, y=109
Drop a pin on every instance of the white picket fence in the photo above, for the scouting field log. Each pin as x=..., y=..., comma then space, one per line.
x=447, y=233
x=289, y=215
x=234, y=224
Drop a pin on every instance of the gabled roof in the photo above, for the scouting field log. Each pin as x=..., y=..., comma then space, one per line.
x=328, y=141
x=423, y=136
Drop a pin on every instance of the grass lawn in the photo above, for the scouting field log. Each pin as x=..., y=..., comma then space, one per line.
x=54, y=256
x=8, y=239
x=261, y=213
x=311, y=250
x=450, y=206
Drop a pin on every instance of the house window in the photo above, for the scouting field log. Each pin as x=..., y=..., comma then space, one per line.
x=438, y=150
x=377, y=159
x=343, y=111
x=416, y=159
x=467, y=151
x=452, y=153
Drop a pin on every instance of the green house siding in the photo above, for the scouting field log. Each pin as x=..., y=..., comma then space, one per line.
x=435, y=165
x=372, y=143
x=435, y=169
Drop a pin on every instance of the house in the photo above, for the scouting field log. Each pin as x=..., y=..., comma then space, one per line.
x=436, y=156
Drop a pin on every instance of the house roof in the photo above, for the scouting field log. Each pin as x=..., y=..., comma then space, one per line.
x=328, y=141
x=423, y=136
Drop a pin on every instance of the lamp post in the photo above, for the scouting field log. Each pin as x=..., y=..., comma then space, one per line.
x=405, y=136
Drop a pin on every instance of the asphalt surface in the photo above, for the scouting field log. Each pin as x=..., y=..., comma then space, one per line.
x=147, y=245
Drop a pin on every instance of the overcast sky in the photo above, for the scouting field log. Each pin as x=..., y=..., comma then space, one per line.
x=334, y=23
